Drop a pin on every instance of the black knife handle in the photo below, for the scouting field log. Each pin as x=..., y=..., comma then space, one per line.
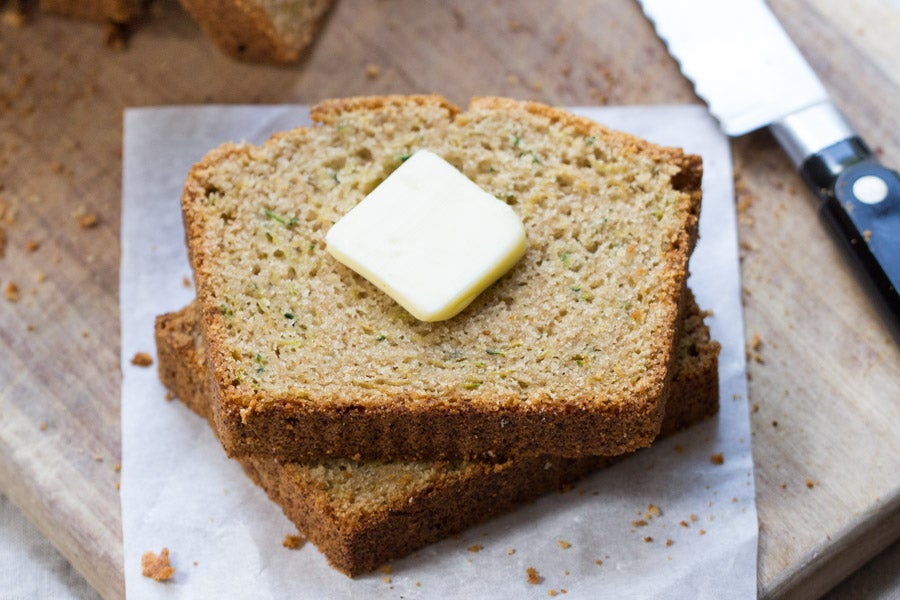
x=860, y=200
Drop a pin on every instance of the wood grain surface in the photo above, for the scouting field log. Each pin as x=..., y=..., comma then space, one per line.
x=824, y=368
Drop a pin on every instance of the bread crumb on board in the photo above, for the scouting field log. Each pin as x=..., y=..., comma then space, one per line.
x=293, y=542
x=157, y=567
x=534, y=577
x=141, y=359
x=11, y=291
x=475, y=548
x=717, y=459
x=459, y=17
x=564, y=544
x=88, y=221
x=755, y=341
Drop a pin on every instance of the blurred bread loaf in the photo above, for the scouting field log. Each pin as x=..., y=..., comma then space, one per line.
x=265, y=31
x=273, y=31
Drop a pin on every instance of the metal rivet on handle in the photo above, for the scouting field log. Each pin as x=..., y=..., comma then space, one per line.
x=870, y=189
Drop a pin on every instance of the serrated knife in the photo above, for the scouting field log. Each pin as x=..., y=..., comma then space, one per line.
x=750, y=74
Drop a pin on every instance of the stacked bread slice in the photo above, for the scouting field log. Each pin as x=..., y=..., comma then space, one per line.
x=363, y=422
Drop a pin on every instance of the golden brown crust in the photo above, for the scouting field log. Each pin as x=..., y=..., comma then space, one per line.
x=481, y=492
x=410, y=423
x=401, y=520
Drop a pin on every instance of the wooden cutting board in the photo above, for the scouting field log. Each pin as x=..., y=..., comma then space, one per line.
x=824, y=370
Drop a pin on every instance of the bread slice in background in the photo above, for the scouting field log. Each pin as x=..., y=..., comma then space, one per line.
x=567, y=354
x=363, y=514
x=271, y=31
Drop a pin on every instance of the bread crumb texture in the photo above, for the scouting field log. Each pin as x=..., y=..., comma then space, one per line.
x=534, y=577
x=157, y=567
x=585, y=321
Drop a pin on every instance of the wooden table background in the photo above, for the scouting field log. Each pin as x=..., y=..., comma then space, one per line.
x=824, y=371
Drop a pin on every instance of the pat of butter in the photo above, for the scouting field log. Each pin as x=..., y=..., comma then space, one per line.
x=429, y=237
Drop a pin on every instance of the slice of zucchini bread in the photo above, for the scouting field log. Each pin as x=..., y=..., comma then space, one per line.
x=567, y=354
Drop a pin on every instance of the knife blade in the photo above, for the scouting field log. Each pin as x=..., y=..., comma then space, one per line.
x=751, y=75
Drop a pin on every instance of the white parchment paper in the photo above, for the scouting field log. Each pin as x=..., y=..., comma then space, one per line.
x=180, y=491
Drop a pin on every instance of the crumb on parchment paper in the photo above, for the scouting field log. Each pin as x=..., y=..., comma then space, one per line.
x=534, y=577
x=293, y=542
x=141, y=359
x=157, y=567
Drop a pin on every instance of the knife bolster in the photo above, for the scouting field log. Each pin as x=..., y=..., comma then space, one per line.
x=811, y=130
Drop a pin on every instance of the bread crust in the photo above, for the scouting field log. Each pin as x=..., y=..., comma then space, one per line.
x=298, y=425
